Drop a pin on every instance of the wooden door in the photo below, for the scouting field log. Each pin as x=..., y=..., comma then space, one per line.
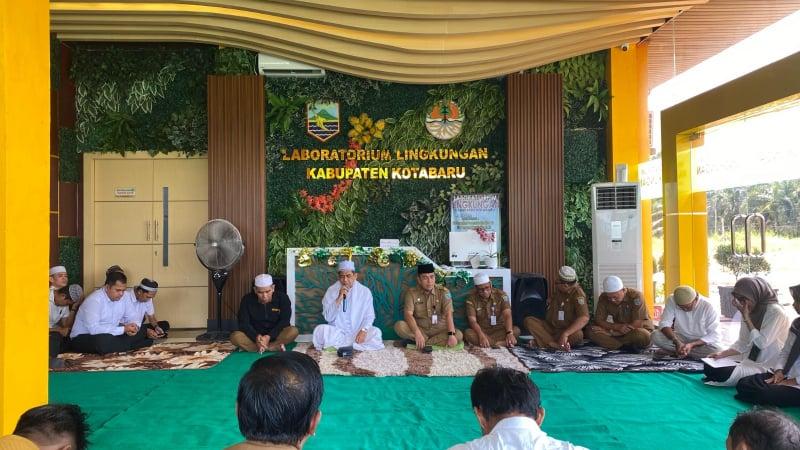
x=127, y=224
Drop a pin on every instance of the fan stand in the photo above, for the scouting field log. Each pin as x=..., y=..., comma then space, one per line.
x=219, y=277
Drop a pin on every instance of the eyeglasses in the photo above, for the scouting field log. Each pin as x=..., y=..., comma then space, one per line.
x=484, y=288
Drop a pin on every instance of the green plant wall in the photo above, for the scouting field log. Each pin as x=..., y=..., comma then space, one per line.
x=153, y=98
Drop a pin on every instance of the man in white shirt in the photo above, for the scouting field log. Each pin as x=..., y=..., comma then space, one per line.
x=99, y=326
x=689, y=326
x=139, y=305
x=347, y=307
x=509, y=411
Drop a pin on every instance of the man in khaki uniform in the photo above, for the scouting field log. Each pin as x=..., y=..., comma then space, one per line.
x=428, y=313
x=621, y=319
x=566, y=316
x=489, y=316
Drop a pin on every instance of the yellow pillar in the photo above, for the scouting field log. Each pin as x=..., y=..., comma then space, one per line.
x=627, y=135
x=24, y=205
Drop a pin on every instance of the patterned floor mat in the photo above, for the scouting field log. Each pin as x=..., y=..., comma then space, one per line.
x=393, y=360
x=591, y=358
x=163, y=356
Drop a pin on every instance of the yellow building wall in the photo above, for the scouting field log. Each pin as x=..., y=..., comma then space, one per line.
x=24, y=205
x=628, y=136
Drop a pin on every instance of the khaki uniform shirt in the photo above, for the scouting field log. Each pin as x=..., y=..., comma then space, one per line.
x=424, y=306
x=631, y=308
x=482, y=309
x=565, y=308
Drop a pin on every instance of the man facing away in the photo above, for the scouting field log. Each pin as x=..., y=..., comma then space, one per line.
x=621, y=319
x=428, y=313
x=689, y=326
x=508, y=407
x=55, y=426
x=264, y=316
x=99, y=325
x=489, y=316
x=763, y=429
x=348, y=309
x=278, y=401
x=567, y=314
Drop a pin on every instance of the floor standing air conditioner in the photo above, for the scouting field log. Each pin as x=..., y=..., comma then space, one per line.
x=616, y=234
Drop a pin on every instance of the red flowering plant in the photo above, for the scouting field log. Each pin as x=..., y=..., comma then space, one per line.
x=488, y=237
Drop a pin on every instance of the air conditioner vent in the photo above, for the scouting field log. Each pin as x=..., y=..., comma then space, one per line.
x=273, y=66
x=616, y=197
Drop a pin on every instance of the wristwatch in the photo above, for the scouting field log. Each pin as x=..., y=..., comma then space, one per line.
x=364, y=330
x=509, y=332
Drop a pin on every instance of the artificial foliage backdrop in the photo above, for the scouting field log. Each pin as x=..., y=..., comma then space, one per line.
x=153, y=98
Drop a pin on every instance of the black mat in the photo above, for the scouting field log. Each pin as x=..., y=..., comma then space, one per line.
x=591, y=358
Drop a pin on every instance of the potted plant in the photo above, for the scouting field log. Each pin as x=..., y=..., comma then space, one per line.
x=489, y=238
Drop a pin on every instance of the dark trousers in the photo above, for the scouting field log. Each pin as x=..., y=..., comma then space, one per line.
x=58, y=343
x=107, y=343
x=754, y=389
x=717, y=373
x=161, y=323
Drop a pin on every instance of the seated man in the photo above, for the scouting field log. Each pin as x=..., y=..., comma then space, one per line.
x=278, y=401
x=621, y=319
x=59, y=312
x=264, y=319
x=99, y=326
x=428, y=313
x=763, y=429
x=139, y=305
x=53, y=426
x=689, y=326
x=509, y=410
x=567, y=314
x=489, y=316
x=347, y=307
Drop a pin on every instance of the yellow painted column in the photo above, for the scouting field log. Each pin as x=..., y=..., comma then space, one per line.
x=627, y=136
x=24, y=205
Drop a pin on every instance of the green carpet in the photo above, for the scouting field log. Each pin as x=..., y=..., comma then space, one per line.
x=194, y=409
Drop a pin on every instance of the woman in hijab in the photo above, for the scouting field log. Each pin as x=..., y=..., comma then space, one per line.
x=762, y=333
x=779, y=387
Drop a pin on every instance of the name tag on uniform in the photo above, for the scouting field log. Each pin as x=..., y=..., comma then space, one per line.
x=434, y=319
x=493, y=320
x=561, y=314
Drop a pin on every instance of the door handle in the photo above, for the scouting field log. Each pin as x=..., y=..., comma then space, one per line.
x=156, y=230
x=147, y=231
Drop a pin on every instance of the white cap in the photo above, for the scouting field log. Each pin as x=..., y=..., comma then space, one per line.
x=347, y=265
x=480, y=278
x=567, y=273
x=263, y=280
x=57, y=269
x=612, y=284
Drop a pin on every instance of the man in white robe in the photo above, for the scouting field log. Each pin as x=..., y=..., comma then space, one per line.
x=347, y=307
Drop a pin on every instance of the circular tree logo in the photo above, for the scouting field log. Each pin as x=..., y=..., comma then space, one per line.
x=444, y=120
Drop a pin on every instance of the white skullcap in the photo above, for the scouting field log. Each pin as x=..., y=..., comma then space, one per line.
x=612, y=284
x=263, y=280
x=346, y=265
x=567, y=273
x=57, y=269
x=684, y=295
x=480, y=278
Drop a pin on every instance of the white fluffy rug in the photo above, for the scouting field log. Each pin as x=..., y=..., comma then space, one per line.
x=394, y=360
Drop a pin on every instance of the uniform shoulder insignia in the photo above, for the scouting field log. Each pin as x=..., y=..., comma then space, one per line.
x=505, y=298
x=581, y=300
x=447, y=296
x=637, y=301
x=469, y=302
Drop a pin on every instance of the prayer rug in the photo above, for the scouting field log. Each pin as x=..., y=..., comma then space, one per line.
x=394, y=360
x=591, y=358
x=160, y=356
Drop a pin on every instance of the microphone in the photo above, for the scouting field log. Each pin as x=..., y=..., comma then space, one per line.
x=344, y=303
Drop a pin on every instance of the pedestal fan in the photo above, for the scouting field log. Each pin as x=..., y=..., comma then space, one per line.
x=219, y=247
